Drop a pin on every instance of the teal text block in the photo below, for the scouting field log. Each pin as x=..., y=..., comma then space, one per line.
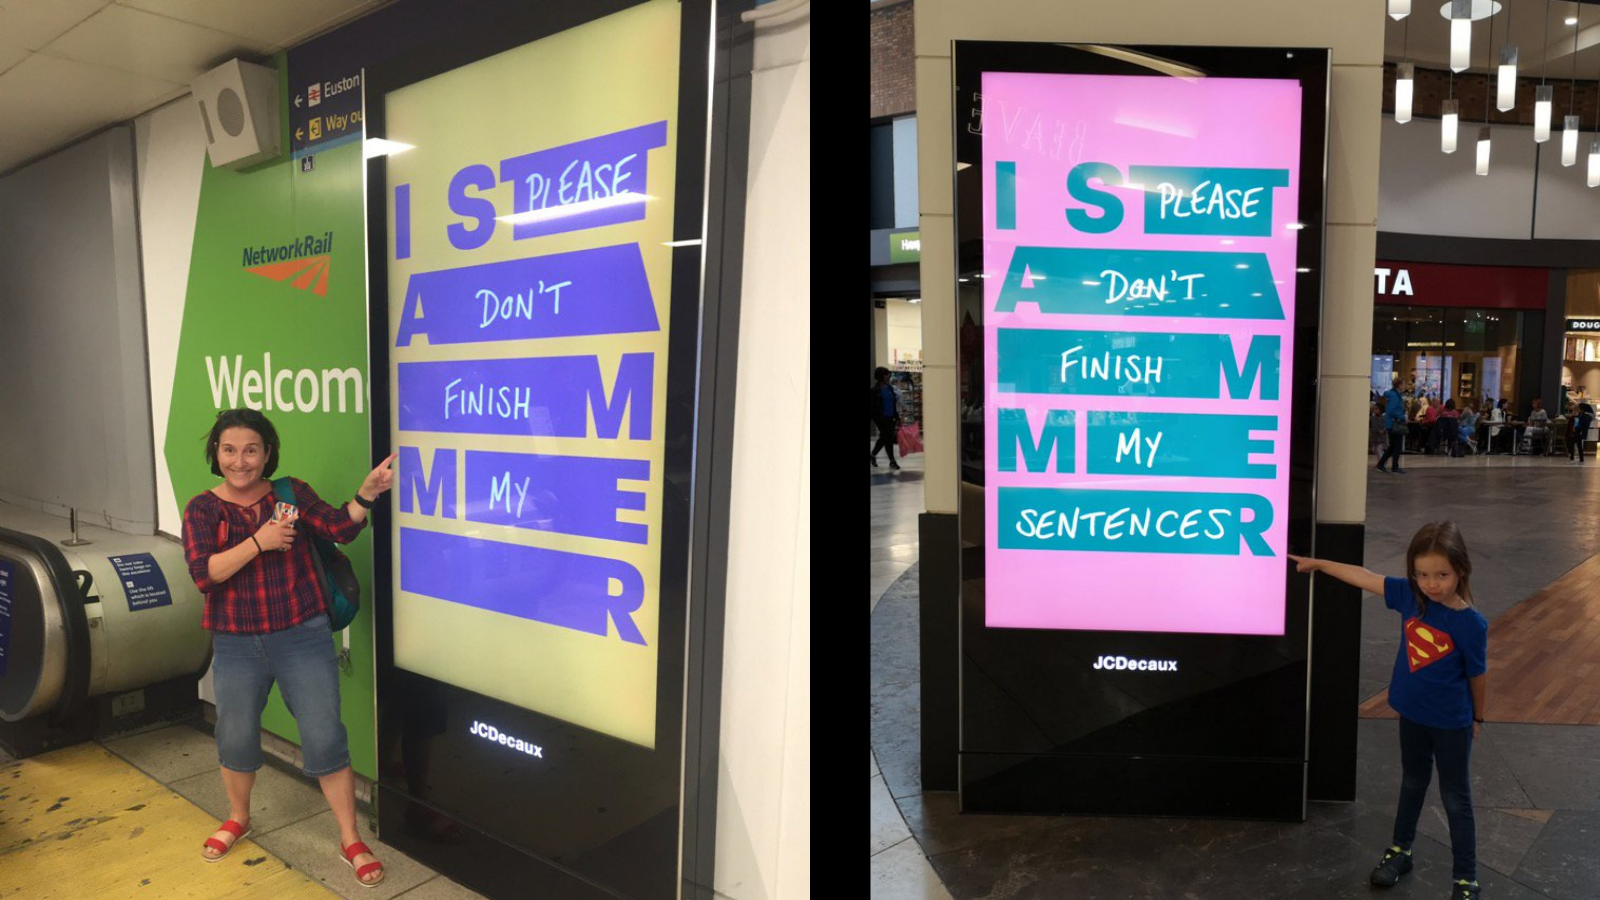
x=1193, y=444
x=1144, y=364
x=1056, y=439
x=1072, y=519
x=1078, y=281
x=1208, y=200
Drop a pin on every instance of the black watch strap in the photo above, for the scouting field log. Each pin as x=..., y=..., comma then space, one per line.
x=362, y=501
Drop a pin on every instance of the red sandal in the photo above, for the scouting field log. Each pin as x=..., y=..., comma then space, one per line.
x=354, y=850
x=239, y=833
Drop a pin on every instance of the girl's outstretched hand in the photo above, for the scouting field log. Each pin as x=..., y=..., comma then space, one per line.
x=1305, y=563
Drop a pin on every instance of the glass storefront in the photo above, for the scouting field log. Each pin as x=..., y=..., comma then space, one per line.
x=1466, y=355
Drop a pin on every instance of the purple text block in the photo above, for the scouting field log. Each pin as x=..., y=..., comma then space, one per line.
x=569, y=590
x=598, y=291
x=544, y=396
x=586, y=175
x=566, y=494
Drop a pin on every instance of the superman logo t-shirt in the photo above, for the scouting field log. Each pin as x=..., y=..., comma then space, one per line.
x=1439, y=651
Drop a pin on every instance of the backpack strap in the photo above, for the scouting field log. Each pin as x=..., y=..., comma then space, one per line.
x=284, y=490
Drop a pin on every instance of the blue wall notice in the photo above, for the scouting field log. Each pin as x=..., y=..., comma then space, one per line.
x=143, y=580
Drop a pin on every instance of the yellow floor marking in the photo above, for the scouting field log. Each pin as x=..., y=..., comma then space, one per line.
x=67, y=790
x=119, y=833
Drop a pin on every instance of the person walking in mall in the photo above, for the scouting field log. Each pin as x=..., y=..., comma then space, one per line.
x=1394, y=421
x=267, y=609
x=886, y=415
x=1439, y=688
x=1580, y=431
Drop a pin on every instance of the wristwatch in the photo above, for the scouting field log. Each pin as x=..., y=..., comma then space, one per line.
x=363, y=502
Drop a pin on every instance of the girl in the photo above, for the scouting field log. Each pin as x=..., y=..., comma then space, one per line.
x=1437, y=688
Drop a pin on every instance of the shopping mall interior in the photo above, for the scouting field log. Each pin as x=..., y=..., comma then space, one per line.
x=1434, y=248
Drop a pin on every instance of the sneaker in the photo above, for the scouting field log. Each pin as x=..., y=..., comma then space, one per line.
x=1400, y=471
x=1395, y=862
x=874, y=462
x=1464, y=890
x=894, y=466
x=1381, y=468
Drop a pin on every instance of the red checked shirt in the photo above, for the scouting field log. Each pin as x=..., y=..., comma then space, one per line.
x=276, y=589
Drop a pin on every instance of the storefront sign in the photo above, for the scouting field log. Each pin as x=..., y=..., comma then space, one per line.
x=905, y=246
x=1481, y=287
x=1140, y=307
x=1583, y=324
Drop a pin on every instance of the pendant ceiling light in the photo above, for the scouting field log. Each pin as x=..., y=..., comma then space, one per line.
x=1507, y=96
x=1543, y=95
x=1594, y=151
x=1460, y=35
x=1483, y=133
x=1402, y=93
x=1405, y=79
x=1450, y=113
x=1569, y=123
x=1399, y=9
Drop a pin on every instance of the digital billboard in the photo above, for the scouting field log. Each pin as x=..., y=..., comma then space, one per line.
x=530, y=210
x=1138, y=264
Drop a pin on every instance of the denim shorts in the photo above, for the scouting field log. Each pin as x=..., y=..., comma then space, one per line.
x=302, y=660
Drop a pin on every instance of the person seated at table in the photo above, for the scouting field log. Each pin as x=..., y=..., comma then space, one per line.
x=1539, y=424
x=1430, y=420
x=1447, y=430
x=1468, y=432
x=1497, y=418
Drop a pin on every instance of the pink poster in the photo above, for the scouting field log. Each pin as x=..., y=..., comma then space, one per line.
x=1139, y=266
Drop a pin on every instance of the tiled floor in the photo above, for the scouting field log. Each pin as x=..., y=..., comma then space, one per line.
x=291, y=819
x=1536, y=787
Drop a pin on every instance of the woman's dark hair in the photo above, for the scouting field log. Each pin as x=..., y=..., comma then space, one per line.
x=1584, y=407
x=878, y=374
x=1450, y=404
x=1440, y=539
x=243, y=418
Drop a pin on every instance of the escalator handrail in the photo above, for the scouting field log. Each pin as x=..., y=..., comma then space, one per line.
x=75, y=691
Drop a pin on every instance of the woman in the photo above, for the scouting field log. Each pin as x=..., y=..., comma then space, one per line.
x=267, y=611
x=1497, y=417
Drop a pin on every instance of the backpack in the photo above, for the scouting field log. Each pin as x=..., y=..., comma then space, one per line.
x=333, y=567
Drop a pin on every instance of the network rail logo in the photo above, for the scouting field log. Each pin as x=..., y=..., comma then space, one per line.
x=305, y=259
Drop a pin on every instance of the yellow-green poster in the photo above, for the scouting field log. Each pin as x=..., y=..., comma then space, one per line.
x=529, y=286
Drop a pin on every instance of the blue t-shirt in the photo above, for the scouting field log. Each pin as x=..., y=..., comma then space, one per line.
x=1438, y=653
x=886, y=404
x=1395, y=408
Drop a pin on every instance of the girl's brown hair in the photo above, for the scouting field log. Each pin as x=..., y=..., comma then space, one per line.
x=1440, y=539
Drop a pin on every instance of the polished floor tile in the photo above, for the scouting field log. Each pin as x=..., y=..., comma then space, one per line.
x=1536, y=788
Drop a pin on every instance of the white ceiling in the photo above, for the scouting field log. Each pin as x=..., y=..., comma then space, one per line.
x=71, y=67
x=1428, y=43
